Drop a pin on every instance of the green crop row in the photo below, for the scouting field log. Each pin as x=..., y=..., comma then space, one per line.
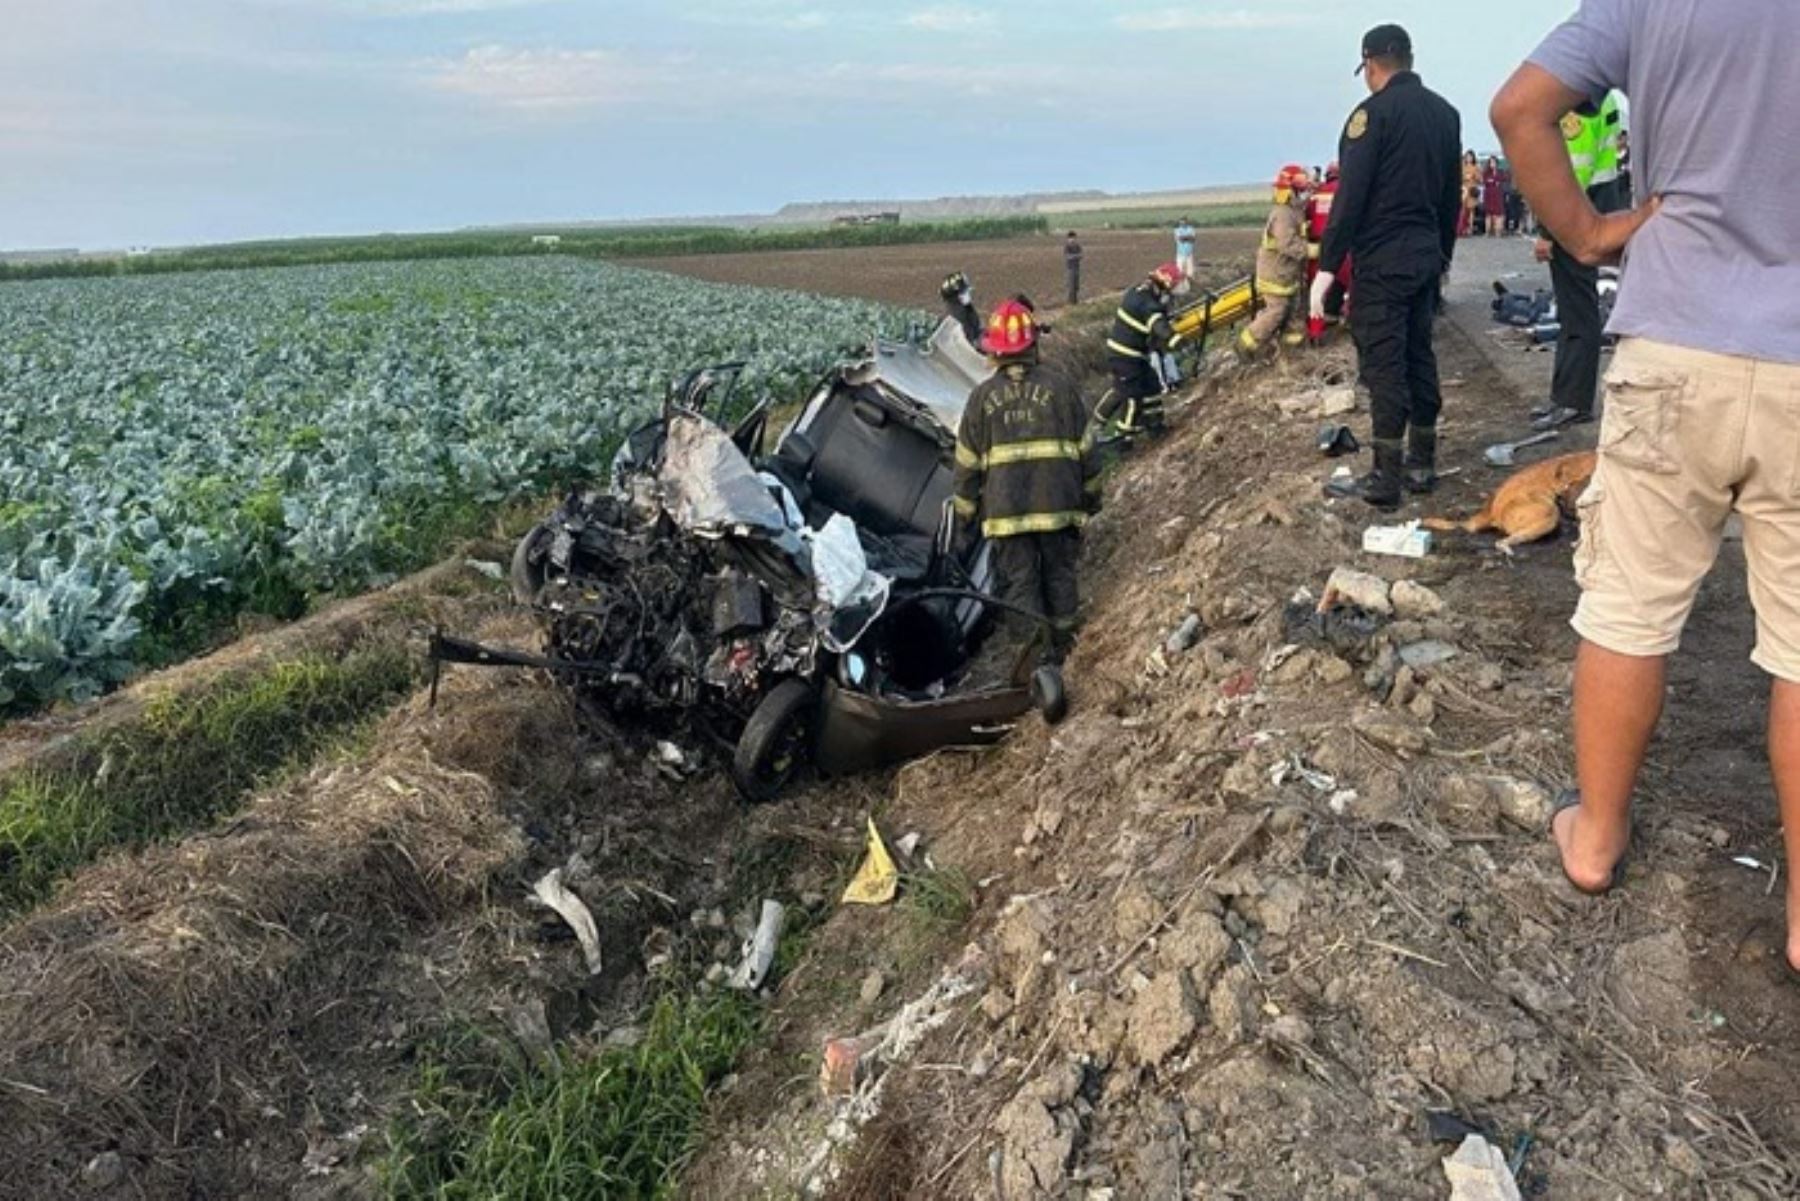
x=642, y=242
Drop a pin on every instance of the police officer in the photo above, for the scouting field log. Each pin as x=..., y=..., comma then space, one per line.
x=1592, y=135
x=1141, y=334
x=1028, y=471
x=1399, y=189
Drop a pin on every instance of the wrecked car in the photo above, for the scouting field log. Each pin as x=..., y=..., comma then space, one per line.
x=794, y=597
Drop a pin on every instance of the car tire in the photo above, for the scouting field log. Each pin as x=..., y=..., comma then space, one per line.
x=773, y=747
x=528, y=564
x=1049, y=695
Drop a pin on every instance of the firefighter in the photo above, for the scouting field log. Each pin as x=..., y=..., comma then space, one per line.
x=1396, y=208
x=1141, y=335
x=1028, y=472
x=1280, y=268
x=1318, y=217
x=959, y=302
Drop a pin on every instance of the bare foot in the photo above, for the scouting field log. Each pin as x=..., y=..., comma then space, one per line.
x=1591, y=859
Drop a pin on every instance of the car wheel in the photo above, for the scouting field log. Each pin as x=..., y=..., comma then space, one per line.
x=1048, y=694
x=775, y=741
x=529, y=561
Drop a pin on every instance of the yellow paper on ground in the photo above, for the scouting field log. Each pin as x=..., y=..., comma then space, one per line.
x=876, y=880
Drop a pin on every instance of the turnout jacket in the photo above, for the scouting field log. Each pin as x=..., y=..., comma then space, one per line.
x=1399, y=182
x=1026, y=460
x=1141, y=326
x=1281, y=263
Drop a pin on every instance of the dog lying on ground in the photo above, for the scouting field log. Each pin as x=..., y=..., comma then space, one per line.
x=1530, y=504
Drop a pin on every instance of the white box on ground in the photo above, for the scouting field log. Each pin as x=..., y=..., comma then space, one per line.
x=1407, y=541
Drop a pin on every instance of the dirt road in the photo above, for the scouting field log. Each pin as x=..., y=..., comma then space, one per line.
x=909, y=275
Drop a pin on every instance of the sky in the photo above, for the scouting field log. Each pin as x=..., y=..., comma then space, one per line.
x=168, y=122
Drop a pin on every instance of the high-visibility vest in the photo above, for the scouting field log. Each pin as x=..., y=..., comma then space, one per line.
x=1593, y=142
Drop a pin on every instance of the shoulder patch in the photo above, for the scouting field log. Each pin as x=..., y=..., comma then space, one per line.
x=1359, y=124
x=1571, y=126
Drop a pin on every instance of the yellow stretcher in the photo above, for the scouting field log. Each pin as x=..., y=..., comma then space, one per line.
x=1197, y=318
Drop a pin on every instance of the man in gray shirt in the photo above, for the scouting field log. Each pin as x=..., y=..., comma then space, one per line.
x=1702, y=411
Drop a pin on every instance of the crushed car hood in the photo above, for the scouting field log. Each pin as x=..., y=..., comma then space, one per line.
x=938, y=375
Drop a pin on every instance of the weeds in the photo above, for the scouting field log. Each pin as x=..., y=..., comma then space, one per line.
x=614, y=1123
x=189, y=758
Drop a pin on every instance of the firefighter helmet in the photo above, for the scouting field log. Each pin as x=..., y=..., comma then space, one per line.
x=1294, y=177
x=1011, y=330
x=1168, y=276
x=954, y=285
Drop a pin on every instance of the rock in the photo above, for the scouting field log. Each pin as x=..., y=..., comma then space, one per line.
x=1295, y=668
x=1406, y=687
x=1329, y=669
x=996, y=1006
x=1136, y=912
x=1477, y=1172
x=873, y=985
x=105, y=1171
x=1415, y=601
x=1197, y=946
x=1039, y=1136
x=1277, y=910
x=1423, y=708
x=1367, y=592
x=1468, y=803
x=1393, y=732
x=1164, y=1016
x=1244, y=778
x=1523, y=803
x=845, y=1064
x=1338, y=402
x=1422, y=655
x=1291, y=1030
x=1186, y=635
x=1232, y=1003
x=1650, y=981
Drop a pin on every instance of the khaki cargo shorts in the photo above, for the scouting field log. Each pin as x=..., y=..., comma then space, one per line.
x=1688, y=438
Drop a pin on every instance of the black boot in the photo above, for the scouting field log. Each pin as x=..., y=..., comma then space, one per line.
x=1421, y=460
x=1381, y=486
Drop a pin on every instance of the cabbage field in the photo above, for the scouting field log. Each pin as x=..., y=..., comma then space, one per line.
x=178, y=450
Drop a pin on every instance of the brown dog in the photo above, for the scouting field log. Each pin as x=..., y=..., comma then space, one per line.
x=1529, y=505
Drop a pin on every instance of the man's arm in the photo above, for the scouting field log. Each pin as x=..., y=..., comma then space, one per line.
x=1526, y=115
x=971, y=461
x=1450, y=202
x=1357, y=155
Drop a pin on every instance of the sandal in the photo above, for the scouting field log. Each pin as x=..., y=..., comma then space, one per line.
x=1569, y=798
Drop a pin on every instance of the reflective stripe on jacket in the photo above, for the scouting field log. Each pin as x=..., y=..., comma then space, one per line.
x=1026, y=459
x=1141, y=326
x=1281, y=263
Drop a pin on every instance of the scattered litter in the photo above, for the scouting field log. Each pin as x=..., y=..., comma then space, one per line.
x=1506, y=453
x=1343, y=473
x=1280, y=655
x=908, y=844
x=491, y=570
x=1295, y=768
x=671, y=760
x=1446, y=1127
x=759, y=952
x=1430, y=653
x=552, y=892
x=1336, y=441
x=876, y=881
x=845, y=1064
x=1341, y=801
x=1478, y=1172
x=1367, y=592
x=1186, y=635
x=1755, y=865
x=1407, y=541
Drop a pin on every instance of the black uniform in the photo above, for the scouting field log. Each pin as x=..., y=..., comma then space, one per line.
x=1027, y=468
x=1072, y=265
x=1399, y=190
x=1140, y=329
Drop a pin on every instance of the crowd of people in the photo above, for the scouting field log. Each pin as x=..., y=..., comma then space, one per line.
x=1699, y=423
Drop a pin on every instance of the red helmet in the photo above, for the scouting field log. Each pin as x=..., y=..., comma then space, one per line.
x=1293, y=176
x=1169, y=275
x=1011, y=330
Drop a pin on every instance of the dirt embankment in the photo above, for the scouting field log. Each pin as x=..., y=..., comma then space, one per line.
x=1261, y=908
x=909, y=275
